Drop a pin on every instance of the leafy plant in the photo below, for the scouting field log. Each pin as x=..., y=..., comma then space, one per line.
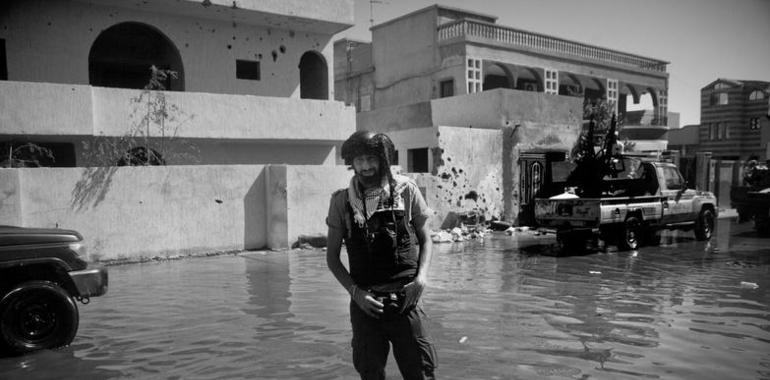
x=153, y=139
x=26, y=155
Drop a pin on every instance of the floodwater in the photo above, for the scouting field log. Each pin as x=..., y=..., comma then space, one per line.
x=501, y=308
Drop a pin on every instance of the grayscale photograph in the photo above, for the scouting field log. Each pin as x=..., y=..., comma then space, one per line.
x=384, y=189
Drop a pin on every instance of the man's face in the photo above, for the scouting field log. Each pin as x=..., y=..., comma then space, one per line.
x=367, y=167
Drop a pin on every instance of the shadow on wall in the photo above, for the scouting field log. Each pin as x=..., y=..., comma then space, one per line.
x=255, y=214
x=92, y=187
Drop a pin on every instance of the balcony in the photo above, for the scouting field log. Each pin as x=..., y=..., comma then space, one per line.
x=469, y=30
x=46, y=109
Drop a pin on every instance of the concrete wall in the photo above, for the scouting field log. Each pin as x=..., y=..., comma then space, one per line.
x=133, y=212
x=388, y=119
x=404, y=55
x=225, y=129
x=38, y=33
x=468, y=163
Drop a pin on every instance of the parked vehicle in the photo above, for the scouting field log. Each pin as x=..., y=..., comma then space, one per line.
x=645, y=197
x=42, y=275
x=752, y=198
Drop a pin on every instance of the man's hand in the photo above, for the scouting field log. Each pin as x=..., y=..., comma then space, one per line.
x=367, y=302
x=413, y=291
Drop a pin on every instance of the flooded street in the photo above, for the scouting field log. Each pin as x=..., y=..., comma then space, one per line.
x=500, y=308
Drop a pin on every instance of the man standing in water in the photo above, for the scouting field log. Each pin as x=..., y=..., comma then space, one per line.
x=382, y=219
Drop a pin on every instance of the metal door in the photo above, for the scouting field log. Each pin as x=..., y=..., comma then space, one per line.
x=531, y=179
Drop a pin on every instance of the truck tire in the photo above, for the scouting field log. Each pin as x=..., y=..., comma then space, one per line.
x=37, y=315
x=704, y=225
x=630, y=233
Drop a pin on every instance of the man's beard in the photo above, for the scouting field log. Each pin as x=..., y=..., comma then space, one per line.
x=371, y=180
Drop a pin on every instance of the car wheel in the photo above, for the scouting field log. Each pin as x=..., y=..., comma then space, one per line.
x=630, y=233
x=704, y=225
x=37, y=315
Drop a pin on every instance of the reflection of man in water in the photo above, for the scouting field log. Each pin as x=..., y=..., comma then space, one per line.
x=382, y=219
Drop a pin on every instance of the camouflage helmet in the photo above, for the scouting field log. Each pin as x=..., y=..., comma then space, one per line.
x=366, y=142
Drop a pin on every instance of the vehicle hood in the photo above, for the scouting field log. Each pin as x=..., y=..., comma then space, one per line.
x=12, y=235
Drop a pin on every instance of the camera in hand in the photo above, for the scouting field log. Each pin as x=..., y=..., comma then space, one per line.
x=391, y=302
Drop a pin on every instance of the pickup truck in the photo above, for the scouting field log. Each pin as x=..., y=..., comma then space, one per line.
x=42, y=274
x=646, y=197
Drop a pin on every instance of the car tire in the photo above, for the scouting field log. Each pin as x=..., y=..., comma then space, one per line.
x=630, y=234
x=37, y=315
x=704, y=225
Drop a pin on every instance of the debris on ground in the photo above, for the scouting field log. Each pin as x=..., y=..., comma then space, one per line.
x=477, y=231
x=749, y=285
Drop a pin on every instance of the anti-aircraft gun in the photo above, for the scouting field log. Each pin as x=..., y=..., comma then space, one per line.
x=592, y=166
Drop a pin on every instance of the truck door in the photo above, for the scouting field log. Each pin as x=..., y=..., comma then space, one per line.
x=678, y=203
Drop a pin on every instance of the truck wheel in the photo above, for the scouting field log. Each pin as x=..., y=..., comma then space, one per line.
x=630, y=233
x=704, y=225
x=37, y=315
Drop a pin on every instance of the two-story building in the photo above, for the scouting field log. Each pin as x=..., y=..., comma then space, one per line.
x=247, y=125
x=253, y=83
x=477, y=109
x=733, y=122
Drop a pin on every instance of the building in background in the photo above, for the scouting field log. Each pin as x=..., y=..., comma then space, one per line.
x=733, y=122
x=253, y=82
x=479, y=110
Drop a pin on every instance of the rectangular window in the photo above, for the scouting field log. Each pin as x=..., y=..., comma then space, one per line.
x=3, y=62
x=720, y=98
x=247, y=69
x=447, y=88
x=612, y=93
x=551, y=82
x=720, y=131
x=417, y=160
x=474, y=75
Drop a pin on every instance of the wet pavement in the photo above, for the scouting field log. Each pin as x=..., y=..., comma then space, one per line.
x=499, y=308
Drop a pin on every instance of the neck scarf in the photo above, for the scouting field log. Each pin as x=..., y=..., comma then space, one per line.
x=366, y=203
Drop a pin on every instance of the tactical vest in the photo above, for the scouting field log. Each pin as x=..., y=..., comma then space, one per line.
x=382, y=251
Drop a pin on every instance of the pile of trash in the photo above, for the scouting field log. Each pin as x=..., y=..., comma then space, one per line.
x=458, y=234
x=463, y=232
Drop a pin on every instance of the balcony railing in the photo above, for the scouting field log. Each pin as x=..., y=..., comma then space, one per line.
x=536, y=41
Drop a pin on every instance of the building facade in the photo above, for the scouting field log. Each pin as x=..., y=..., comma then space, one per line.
x=442, y=69
x=734, y=122
x=251, y=84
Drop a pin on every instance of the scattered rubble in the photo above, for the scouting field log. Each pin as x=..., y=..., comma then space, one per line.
x=463, y=232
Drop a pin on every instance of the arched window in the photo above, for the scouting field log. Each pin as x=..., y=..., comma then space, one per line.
x=122, y=55
x=756, y=95
x=313, y=76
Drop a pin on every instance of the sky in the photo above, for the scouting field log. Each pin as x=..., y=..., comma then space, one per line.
x=702, y=39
